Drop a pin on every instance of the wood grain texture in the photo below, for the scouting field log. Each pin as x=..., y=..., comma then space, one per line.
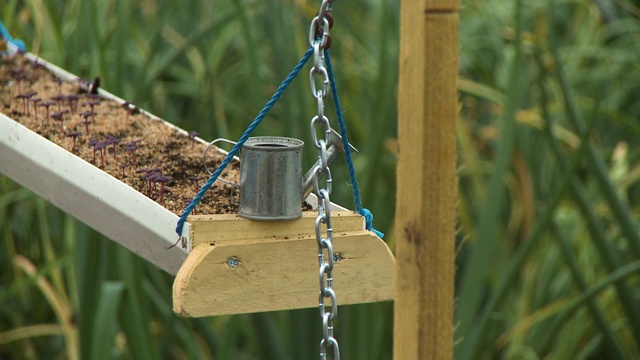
x=426, y=190
x=211, y=229
x=278, y=265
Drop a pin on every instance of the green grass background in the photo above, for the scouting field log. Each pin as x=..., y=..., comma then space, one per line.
x=548, y=244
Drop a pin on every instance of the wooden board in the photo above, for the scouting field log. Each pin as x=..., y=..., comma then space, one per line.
x=228, y=227
x=426, y=191
x=278, y=266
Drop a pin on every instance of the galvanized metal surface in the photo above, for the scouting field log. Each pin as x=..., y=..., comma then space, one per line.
x=271, y=178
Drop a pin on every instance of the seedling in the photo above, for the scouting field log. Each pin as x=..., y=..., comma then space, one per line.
x=132, y=147
x=73, y=102
x=74, y=135
x=123, y=166
x=85, y=115
x=91, y=104
x=25, y=100
x=115, y=141
x=149, y=177
x=92, y=143
x=196, y=180
x=58, y=99
x=192, y=135
x=59, y=82
x=18, y=77
x=162, y=179
x=46, y=105
x=36, y=66
x=35, y=102
x=100, y=146
x=59, y=116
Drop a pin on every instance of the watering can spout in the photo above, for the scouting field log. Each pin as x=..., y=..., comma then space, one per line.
x=336, y=147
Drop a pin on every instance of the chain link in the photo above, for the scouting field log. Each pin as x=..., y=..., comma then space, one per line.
x=320, y=40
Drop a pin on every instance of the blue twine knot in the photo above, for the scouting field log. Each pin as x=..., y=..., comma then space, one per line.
x=368, y=218
x=17, y=43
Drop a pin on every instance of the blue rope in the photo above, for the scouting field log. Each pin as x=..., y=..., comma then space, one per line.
x=5, y=34
x=243, y=139
x=368, y=216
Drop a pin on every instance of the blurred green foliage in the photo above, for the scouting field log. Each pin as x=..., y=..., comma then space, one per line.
x=549, y=192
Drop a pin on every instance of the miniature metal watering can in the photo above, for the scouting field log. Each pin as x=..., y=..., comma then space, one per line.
x=272, y=186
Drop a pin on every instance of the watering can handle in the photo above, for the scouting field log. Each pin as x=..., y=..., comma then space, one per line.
x=336, y=147
x=204, y=160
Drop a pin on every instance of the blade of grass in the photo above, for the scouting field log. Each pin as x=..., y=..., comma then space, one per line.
x=135, y=317
x=597, y=164
x=610, y=256
x=267, y=336
x=476, y=268
x=30, y=331
x=62, y=309
x=91, y=262
x=612, y=348
x=175, y=330
x=469, y=348
x=567, y=306
x=105, y=326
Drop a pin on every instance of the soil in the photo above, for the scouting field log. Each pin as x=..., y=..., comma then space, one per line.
x=158, y=161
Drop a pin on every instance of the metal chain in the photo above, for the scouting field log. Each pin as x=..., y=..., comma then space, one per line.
x=320, y=40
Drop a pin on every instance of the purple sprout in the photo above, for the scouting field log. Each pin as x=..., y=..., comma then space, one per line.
x=112, y=140
x=46, y=105
x=91, y=104
x=92, y=143
x=149, y=178
x=196, y=181
x=123, y=166
x=74, y=135
x=192, y=135
x=58, y=99
x=26, y=97
x=187, y=202
x=19, y=76
x=100, y=146
x=59, y=82
x=35, y=102
x=85, y=115
x=24, y=102
x=132, y=147
x=73, y=100
x=59, y=116
x=162, y=179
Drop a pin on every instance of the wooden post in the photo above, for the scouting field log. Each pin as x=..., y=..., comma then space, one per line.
x=426, y=191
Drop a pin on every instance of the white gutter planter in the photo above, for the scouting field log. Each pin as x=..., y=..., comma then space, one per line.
x=223, y=264
x=91, y=195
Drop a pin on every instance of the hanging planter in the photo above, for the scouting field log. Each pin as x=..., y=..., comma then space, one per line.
x=117, y=168
x=129, y=174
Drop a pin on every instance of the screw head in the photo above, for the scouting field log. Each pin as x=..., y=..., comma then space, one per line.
x=233, y=262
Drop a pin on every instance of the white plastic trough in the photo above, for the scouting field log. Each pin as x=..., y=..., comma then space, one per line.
x=96, y=198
